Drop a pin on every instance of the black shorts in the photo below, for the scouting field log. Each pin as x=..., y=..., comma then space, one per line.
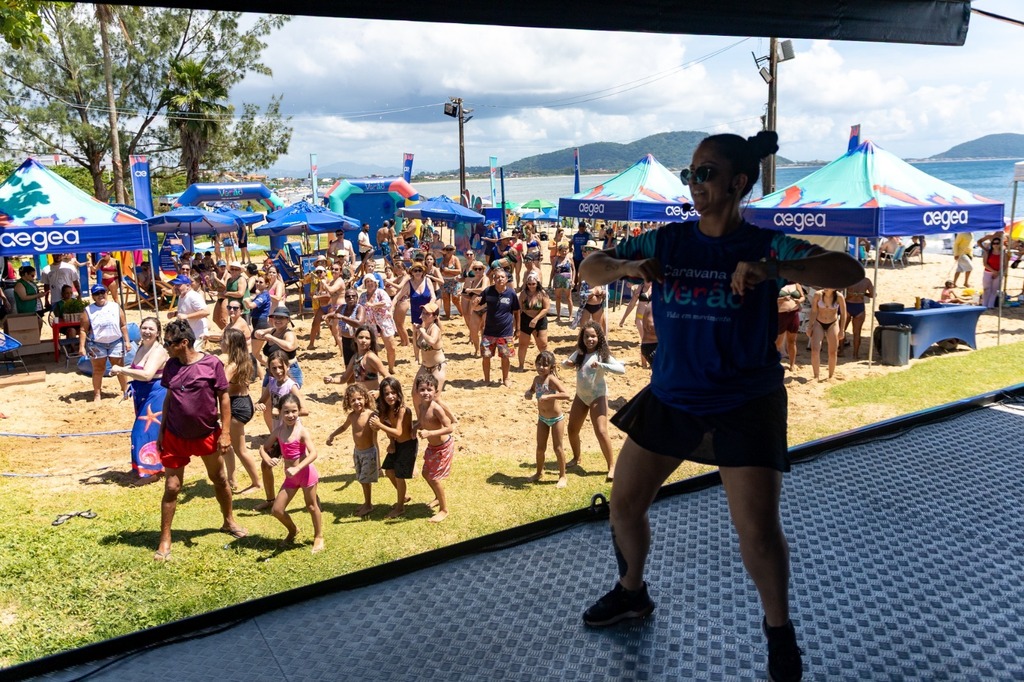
x=348, y=348
x=241, y=408
x=403, y=459
x=753, y=434
x=647, y=350
x=542, y=325
x=261, y=323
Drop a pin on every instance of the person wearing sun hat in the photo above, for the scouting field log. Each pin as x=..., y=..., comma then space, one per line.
x=320, y=296
x=104, y=336
x=191, y=307
x=280, y=336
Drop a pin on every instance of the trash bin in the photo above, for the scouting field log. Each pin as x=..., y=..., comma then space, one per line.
x=895, y=345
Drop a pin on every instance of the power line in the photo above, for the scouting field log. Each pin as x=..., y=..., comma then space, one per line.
x=998, y=17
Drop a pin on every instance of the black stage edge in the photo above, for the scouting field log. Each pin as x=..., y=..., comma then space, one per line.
x=228, y=616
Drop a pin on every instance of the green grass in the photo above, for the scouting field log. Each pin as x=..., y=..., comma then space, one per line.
x=88, y=580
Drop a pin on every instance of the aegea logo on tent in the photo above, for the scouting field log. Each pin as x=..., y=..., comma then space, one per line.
x=799, y=221
x=680, y=212
x=591, y=209
x=944, y=218
x=40, y=241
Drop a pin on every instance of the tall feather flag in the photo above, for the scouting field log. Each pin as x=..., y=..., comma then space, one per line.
x=576, y=171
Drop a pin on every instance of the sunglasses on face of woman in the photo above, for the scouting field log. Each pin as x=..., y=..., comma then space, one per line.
x=698, y=175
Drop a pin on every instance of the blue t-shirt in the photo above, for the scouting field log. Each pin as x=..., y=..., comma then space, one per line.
x=500, y=321
x=262, y=303
x=579, y=240
x=716, y=349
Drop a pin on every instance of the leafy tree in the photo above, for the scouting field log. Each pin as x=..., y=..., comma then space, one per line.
x=52, y=95
x=20, y=24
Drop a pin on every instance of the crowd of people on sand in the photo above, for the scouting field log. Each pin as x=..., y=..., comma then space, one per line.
x=229, y=333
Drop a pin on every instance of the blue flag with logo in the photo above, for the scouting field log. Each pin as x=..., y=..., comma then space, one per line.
x=141, y=187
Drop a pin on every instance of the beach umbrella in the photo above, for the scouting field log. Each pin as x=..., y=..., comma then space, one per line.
x=550, y=216
x=245, y=217
x=536, y=205
x=194, y=221
x=442, y=208
x=508, y=205
x=305, y=218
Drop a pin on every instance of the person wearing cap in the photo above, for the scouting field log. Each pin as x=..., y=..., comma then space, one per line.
x=218, y=280
x=103, y=337
x=419, y=292
x=491, y=239
x=191, y=307
x=501, y=324
x=317, y=282
x=280, y=336
x=194, y=423
x=579, y=240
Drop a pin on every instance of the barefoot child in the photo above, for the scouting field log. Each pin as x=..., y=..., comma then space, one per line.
x=395, y=419
x=550, y=393
x=434, y=425
x=364, y=438
x=279, y=385
x=591, y=360
x=298, y=453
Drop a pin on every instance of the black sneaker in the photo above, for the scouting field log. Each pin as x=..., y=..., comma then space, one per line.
x=785, y=662
x=617, y=605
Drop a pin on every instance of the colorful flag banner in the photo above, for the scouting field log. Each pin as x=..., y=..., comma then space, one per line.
x=407, y=167
x=141, y=186
x=494, y=172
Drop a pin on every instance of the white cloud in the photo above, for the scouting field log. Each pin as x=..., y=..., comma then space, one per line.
x=367, y=91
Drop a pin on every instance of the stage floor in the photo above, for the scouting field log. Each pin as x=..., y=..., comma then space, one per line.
x=907, y=564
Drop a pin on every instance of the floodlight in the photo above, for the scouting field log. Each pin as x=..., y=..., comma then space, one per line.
x=451, y=109
x=765, y=74
x=785, y=51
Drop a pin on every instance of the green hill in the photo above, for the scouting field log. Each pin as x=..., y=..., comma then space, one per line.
x=1000, y=146
x=673, y=150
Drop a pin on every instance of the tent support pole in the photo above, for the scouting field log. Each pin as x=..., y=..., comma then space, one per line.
x=1013, y=212
x=874, y=300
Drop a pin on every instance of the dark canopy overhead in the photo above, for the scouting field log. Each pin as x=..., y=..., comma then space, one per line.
x=934, y=22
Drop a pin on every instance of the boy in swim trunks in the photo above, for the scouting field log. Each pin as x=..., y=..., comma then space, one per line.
x=434, y=426
x=364, y=438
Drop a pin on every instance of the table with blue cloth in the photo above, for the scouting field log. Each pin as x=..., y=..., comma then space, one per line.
x=928, y=326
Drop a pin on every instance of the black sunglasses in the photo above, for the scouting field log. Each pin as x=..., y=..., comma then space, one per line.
x=698, y=175
x=234, y=307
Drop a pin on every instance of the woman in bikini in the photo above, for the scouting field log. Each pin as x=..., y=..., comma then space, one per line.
x=533, y=253
x=828, y=318
x=419, y=291
x=476, y=282
x=533, y=317
x=856, y=301
x=562, y=276
x=110, y=275
x=240, y=371
x=640, y=301
x=451, y=269
x=429, y=341
x=365, y=368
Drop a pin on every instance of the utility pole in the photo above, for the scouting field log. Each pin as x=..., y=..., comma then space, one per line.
x=454, y=108
x=771, y=122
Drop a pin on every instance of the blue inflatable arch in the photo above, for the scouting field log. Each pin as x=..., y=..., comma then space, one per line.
x=229, y=191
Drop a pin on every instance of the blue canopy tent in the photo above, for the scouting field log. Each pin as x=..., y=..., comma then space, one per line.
x=41, y=212
x=194, y=221
x=305, y=218
x=645, y=191
x=244, y=217
x=444, y=209
x=869, y=192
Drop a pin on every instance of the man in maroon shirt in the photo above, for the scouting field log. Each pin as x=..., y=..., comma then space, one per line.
x=197, y=393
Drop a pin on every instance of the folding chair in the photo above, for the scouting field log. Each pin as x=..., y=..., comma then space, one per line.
x=10, y=356
x=144, y=298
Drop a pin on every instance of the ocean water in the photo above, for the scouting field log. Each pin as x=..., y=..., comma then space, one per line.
x=991, y=179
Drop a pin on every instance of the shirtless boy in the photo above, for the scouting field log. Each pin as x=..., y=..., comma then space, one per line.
x=435, y=427
x=364, y=438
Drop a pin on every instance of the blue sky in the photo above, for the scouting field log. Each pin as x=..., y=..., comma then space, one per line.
x=364, y=92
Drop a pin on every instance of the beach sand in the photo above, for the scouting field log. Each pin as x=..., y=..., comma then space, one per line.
x=63, y=403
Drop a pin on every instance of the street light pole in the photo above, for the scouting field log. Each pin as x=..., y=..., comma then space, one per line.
x=462, y=152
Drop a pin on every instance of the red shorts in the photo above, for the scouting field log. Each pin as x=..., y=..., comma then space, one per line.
x=175, y=452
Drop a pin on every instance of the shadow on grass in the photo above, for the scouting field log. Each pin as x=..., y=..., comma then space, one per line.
x=150, y=539
x=510, y=482
x=124, y=479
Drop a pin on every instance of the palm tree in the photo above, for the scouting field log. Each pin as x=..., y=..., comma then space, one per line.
x=195, y=99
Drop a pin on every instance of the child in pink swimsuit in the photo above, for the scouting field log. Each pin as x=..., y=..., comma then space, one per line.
x=298, y=454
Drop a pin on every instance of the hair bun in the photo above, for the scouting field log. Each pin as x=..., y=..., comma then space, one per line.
x=764, y=143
